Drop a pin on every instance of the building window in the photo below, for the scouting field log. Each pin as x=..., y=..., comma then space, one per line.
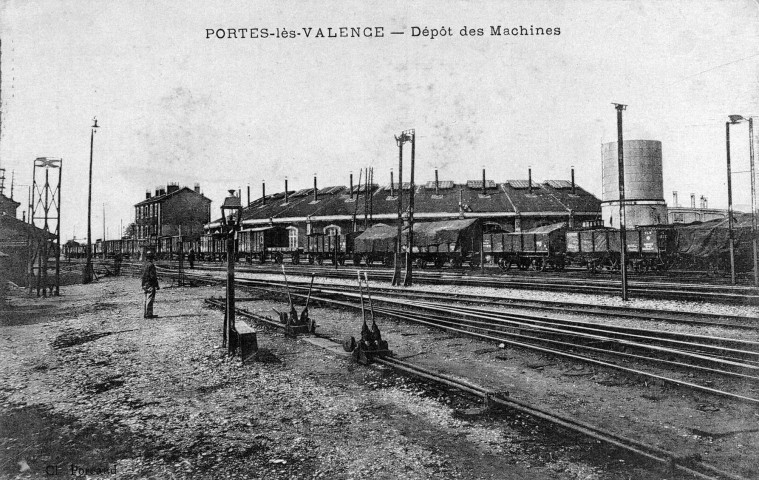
x=293, y=237
x=678, y=218
x=332, y=230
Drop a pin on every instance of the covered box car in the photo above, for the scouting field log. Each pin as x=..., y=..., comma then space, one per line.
x=447, y=236
x=377, y=238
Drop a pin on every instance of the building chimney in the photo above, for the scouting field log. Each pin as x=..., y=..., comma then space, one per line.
x=674, y=198
x=172, y=187
x=316, y=191
x=147, y=194
x=248, y=194
x=574, y=189
x=706, y=203
x=392, y=187
x=692, y=200
x=263, y=192
x=239, y=193
x=197, y=188
x=287, y=195
x=437, y=184
x=529, y=179
x=351, y=185
x=484, y=192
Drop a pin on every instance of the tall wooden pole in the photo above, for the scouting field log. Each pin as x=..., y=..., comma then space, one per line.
x=753, y=200
x=399, y=242
x=622, y=219
x=58, y=236
x=87, y=278
x=731, y=240
x=408, y=280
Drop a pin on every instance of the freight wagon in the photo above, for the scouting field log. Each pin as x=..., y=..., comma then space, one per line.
x=647, y=248
x=332, y=248
x=437, y=243
x=540, y=248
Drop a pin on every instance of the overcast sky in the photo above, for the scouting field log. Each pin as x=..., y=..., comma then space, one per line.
x=175, y=106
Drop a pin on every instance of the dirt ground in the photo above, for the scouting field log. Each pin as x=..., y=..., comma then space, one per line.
x=89, y=387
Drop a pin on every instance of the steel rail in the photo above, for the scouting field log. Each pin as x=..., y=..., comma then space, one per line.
x=641, y=289
x=694, y=468
x=409, y=317
x=443, y=323
x=587, y=330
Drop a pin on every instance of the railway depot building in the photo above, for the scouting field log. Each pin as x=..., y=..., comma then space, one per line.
x=514, y=205
x=171, y=210
x=18, y=239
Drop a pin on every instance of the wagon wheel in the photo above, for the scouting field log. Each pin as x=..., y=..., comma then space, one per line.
x=367, y=260
x=320, y=260
x=341, y=260
x=296, y=258
x=278, y=257
x=474, y=262
x=310, y=259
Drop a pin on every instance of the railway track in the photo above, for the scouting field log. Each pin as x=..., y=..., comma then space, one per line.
x=675, y=465
x=642, y=289
x=732, y=361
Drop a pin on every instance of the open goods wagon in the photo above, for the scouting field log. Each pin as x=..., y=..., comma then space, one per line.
x=321, y=247
x=266, y=243
x=647, y=248
x=260, y=244
x=539, y=248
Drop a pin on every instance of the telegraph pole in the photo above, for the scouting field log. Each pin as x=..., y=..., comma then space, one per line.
x=622, y=221
x=87, y=277
x=731, y=240
x=399, y=243
x=408, y=280
x=753, y=199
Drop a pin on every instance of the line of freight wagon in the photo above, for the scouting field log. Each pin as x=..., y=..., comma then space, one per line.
x=702, y=246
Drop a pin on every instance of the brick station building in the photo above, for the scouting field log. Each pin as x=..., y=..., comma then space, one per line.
x=170, y=210
x=512, y=205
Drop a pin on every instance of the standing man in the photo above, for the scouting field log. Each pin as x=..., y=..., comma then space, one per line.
x=149, y=285
x=191, y=258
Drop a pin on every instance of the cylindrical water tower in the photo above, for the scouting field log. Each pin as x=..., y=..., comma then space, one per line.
x=644, y=188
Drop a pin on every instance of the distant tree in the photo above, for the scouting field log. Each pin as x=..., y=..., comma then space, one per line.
x=130, y=231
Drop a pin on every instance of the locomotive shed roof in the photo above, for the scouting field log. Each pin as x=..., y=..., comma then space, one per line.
x=335, y=203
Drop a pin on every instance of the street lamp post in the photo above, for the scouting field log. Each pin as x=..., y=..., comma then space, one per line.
x=87, y=278
x=730, y=240
x=231, y=213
